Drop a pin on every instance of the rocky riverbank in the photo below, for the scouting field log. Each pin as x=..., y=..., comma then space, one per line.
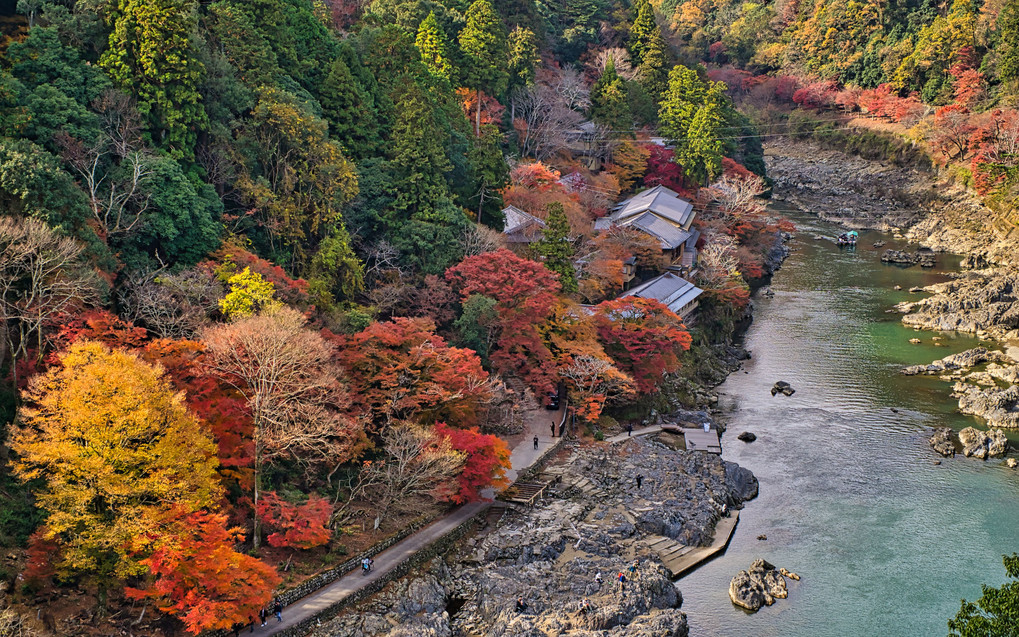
x=549, y=556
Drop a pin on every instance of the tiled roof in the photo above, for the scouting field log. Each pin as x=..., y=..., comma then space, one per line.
x=521, y=227
x=662, y=201
x=668, y=289
x=668, y=235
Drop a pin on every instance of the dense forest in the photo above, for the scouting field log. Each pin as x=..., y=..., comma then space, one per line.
x=258, y=308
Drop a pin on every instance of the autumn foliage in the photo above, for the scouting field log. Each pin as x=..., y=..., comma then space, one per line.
x=487, y=459
x=198, y=577
x=525, y=292
x=643, y=337
x=296, y=526
x=401, y=369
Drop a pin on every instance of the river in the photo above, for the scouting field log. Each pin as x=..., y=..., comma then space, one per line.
x=886, y=541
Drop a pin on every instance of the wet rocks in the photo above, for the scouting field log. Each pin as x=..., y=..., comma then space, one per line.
x=983, y=444
x=962, y=360
x=879, y=244
x=747, y=436
x=1011, y=463
x=923, y=257
x=984, y=302
x=760, y=585
x=941, y=441
x=998, y=407
x=782, y=387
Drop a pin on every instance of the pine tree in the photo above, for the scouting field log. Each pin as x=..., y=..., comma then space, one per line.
x=151, y=57
x=556, y=249
x=685, y=93
x=418, y=155
x=700, y=150
x=1008, y=42
x=609, y=105
x=643, y=30
x=483, y=42
x=653, y=71
x=434, y=47
x=523, y=56
x=350, y=113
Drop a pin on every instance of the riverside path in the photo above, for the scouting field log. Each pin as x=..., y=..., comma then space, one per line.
x=522, y=456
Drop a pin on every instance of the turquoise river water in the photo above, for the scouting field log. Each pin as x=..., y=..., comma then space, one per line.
x=886, y=541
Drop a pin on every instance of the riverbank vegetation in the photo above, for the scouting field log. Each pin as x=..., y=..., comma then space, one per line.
x=258, y=311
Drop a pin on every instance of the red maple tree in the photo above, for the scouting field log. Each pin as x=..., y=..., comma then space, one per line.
x=488, y=458
x=199, y=577
x=643, y=337
x=525, y=292
x=296, y=526
x=403, y=370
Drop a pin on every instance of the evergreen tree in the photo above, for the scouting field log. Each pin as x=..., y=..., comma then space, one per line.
x=489, y=175
x=483, y=42
x=700, y=150
x=350, y=112
x=653, y=72
x=1008, y=42
x=609, y=104
x=418, y=156
x=434, y=47
x=685, y=93
x=151, y=57
x=523, y=56
x=643, y=30
x=556, y=249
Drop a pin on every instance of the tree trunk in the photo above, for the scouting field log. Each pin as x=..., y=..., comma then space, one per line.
x=477, y=117
x=256, y=527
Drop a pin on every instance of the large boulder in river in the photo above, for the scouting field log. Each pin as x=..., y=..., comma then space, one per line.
x=941, y=441
x=962, y=360
x=782, y=387
x=999, y=407
x=759, y=585
x=741, y=482
x=897, y=256
x=983, y=444
x=747, y=436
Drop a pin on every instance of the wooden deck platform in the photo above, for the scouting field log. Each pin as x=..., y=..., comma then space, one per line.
x=700, y=440
x=681, y=559
x=528, y=493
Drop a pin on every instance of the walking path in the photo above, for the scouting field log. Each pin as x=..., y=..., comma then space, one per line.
x=523, y=456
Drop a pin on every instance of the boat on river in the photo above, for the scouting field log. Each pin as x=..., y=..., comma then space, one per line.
x=847, y=239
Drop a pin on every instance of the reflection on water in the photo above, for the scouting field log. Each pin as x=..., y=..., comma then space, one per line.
x=886, y=541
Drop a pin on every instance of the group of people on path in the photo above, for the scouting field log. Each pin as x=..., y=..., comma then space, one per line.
x=275, y=609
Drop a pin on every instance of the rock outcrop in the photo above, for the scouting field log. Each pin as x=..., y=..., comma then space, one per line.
x=551, y=555
x=747, y=436
x=998, y=407
x=962, y=360
x=782, y=387
x=941, y=441
x=984, y=302
x=983, y=444
x=760, y=585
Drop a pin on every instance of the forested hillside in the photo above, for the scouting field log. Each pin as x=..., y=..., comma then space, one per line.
x=258, y=309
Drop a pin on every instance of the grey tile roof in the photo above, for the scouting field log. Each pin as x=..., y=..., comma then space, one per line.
x=668, y=235
x=662, y=201
x=521, y=227
x=668, y=289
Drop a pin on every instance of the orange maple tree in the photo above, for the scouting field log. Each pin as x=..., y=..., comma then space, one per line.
x=487, y=459
x=298, y=526
x=199, y=578
x=643, y=337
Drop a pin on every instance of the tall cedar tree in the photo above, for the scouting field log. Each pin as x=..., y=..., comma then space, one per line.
x=653, y=71
x=431, y=41
x=523, y=57
x=483, y=42
x=117, y=450
x=151, y=57
x=418, y=155
x=609, y=106
x=642, y=31
x=692, y=116
x=350, y=111
x=555, y=247
x=1008, y=42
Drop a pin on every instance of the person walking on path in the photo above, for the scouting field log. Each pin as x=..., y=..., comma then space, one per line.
x=553, y=429
x=640, y=479
x=597, y=580
x=277, y=610
x=622, y=580
x=629, y=429
x=263, y=614
x=633, y=570
x=536, y=442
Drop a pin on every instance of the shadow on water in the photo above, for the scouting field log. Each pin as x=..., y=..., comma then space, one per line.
x=886, y=541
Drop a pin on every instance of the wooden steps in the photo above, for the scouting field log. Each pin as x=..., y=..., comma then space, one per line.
x=681, y=559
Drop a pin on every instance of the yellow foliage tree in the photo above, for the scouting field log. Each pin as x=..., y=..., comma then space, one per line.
x=116, y=449
x=249, y=293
